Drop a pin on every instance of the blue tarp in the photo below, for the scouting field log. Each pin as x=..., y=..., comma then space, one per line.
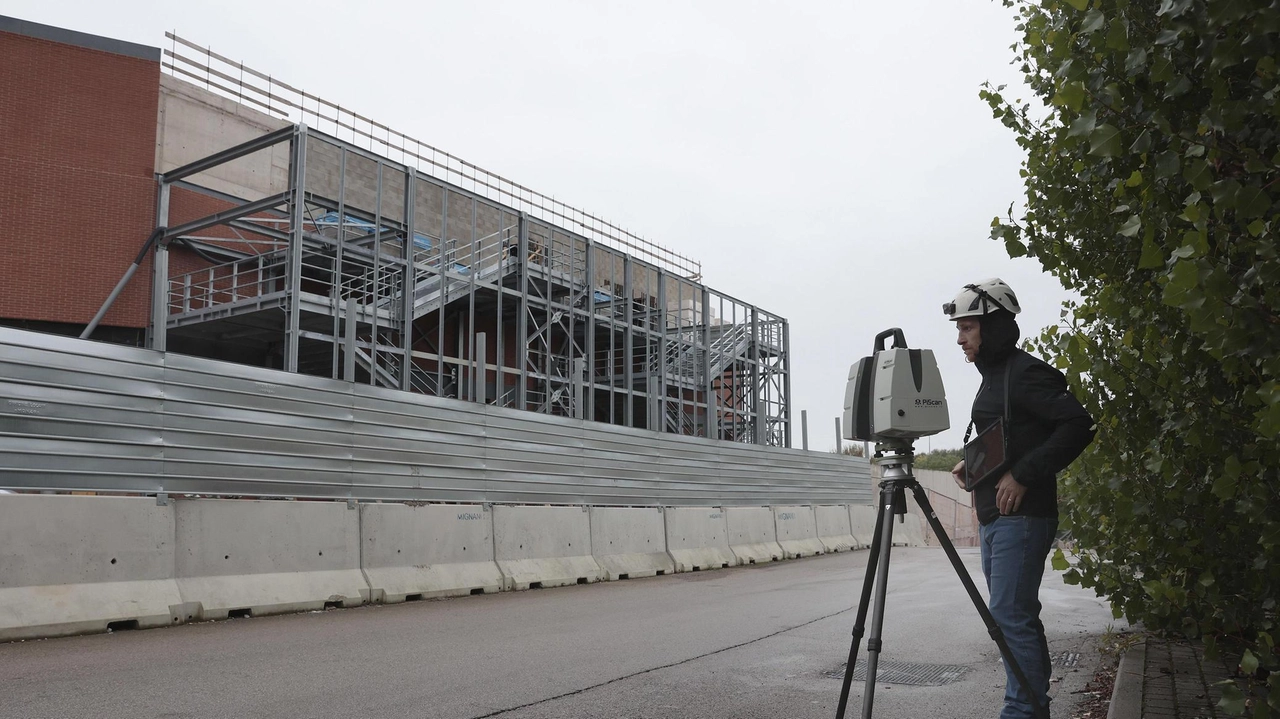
x=420, y=241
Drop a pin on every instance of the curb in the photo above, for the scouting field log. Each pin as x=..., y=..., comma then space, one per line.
x=1126, y=692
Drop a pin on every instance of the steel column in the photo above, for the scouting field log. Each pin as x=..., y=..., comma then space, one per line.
x=522, y=322
x=160, y=277
x=658, y=399
x=628, y=342
x=293, y=282
x=753, y=352
x=409, y=284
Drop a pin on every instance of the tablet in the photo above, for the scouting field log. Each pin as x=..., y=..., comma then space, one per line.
x=986, y=456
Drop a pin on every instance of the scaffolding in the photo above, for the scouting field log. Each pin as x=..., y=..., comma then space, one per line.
x=364, y=268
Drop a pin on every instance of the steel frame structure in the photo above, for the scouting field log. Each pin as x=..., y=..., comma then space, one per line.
x=372, y=271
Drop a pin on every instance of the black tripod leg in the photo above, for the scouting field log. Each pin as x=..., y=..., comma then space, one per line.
x=888, y=492
x=992, y=628
x=859, y=625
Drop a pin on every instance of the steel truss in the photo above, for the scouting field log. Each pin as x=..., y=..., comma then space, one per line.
x=371, y=271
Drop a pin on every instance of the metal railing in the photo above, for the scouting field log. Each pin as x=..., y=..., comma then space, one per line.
x=228, y=283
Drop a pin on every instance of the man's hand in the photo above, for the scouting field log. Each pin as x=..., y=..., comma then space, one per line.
x=1009, y=494
x=958, y=473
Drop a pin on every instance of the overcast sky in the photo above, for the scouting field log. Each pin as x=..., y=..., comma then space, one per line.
x=828, y=162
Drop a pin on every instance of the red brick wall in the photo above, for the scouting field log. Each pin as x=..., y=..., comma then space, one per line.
x=77, y=192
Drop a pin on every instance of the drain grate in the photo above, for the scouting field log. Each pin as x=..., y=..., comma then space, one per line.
x=889, y=671
x=1067, y=660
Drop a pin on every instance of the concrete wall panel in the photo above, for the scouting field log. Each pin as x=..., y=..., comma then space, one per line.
x=195, y=123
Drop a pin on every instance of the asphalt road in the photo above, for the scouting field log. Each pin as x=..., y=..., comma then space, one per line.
x=750, y=642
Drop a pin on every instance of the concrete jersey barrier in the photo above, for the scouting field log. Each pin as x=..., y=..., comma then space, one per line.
x=862, y=522
x=239, y=556
x=910, y=533
x=629, y=542
x=425, y=551
x=753, y=536
x=698, y=538
x=80, y=564
x=543, y=546
x=76, y=565
x=798, y=531
x=834, y=528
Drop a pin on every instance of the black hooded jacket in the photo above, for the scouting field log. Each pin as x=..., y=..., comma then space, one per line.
x=1048, y=428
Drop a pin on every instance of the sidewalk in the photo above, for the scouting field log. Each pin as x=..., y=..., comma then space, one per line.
x=1169, y=679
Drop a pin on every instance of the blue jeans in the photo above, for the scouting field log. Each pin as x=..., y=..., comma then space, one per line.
x=1014, y=550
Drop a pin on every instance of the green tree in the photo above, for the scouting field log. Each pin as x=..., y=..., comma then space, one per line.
x=1152, y=170
x=939, y=459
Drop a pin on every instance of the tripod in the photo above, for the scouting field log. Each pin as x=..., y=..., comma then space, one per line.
x=896, y=458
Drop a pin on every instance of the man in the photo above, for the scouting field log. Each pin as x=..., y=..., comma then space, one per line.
x=1046, y=428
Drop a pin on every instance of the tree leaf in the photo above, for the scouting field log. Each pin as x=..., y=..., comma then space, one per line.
x=1183, y=286
x=1084, y=124
x=1135, y=179
x=1232, y=700
x=1080, y=5
x=1059, y=561
x=1197, y=173
x=1162, y=69
x=1196, y=244
x=1105, y=141
x=1136, y=60
x=1152, y=257
x=1251, y=202
x=1142, y=144
x=1131, y=226
x=1070, y=95
x=1224, y=487
x=1173, y=8
x=1167, y=164
x=1224, y=193
x=1225, y=12
x=1093, y=20
x=1248, y=662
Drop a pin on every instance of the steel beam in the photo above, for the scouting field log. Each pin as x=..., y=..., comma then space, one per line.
x=224, y=217
x=229, y=154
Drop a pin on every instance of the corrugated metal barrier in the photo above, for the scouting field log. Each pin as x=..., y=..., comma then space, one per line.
x=81, y=415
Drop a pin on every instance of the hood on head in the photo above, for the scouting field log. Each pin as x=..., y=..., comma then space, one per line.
x=1000, y=336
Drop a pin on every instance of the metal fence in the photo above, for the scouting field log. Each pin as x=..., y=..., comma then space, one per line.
x=80, y=415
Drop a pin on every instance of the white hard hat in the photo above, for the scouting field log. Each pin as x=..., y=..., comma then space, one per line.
x=982, y=298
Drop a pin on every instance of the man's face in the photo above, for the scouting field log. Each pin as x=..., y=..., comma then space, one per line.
x=970, y=337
